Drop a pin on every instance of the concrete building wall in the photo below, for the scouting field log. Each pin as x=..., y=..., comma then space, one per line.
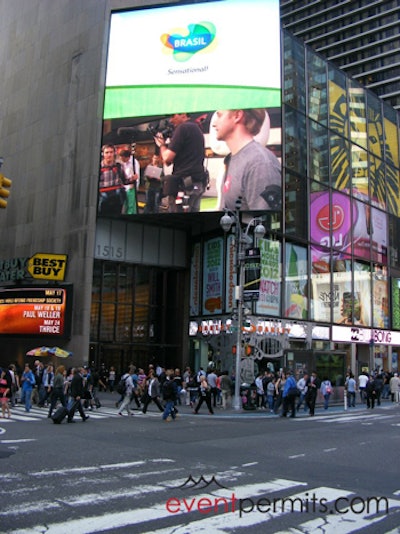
x=52, y=65
x=52, y=58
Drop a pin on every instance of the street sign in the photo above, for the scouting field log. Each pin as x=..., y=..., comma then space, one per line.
x=251, y=288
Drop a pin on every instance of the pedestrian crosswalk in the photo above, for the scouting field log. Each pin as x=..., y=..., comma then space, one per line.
x=159, y=496
x=364, y=417
x=18, y=414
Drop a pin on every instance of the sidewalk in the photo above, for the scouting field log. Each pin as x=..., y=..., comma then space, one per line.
x=108, y=400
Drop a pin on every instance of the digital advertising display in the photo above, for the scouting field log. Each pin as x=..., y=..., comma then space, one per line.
x=36, y=311
x=347, y=224
x=192, y=109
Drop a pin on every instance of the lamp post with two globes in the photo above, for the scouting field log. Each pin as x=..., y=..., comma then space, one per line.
x=242, y=242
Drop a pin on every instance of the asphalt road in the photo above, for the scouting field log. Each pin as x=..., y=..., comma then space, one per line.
x=334, y=473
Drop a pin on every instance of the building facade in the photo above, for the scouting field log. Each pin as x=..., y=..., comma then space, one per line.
x=161, y=289
x=359, y=37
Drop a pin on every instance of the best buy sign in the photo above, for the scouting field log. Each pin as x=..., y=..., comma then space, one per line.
x=47, y=266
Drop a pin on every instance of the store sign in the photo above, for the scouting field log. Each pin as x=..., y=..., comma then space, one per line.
x=47, y=266
x=344, y=334
x=13, y=269
x=195, y=270
x=41, y=266
x=269, y=300
x=252, y=273
x=321, y=332
x=213, y=276
x=230, y=274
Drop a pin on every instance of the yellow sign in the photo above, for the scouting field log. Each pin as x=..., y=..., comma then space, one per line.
x=47, y=266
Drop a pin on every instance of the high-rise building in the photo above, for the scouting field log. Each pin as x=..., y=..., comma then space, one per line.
x=361, y=37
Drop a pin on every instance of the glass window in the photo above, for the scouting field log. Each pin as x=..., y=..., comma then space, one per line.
x=359, y=171
x=318, y=153
x=294, y=73
x=375, y=125
x=97, y=280
x=320, y=218
x=295, y=147
x=140, y=326
x=142, y=290
x=340, y=162
x=331, y=220
x=295, y=203
x=269, y=301
x=109, y=287
x=362, y=229
x=124, y=323
x=107, y=321
x=396, y=303
x=94, y=319
x=296, y=288
x=391, y=135
x=338, y=112
x=343, y=306
x=320, y=260
x=341, y=223
x=380, y=300
x=125, y=284
x=331, y=366
x=317, y=92
x=392, y=187
x=108, y=305
x=322, y=295
x=379, y=235
x=357, y=113
x=377, y=181
x=96, y=299
x=362, y=294
x=394, y=240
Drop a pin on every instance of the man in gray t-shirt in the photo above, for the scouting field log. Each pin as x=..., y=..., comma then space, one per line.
x=253, y=172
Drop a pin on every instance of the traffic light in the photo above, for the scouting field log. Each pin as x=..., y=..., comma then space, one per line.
x=4, y=192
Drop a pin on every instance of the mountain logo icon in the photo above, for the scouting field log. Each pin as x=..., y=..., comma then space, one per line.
x=201, y=483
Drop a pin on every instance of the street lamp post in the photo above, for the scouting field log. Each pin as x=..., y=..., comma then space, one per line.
x=242, y=241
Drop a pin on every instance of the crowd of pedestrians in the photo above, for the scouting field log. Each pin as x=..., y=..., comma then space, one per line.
x=280, y=393
x=169, y=388
x=47, y=386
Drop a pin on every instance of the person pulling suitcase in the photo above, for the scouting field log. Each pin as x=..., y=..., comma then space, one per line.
x=59, y=415
x=77, y=394
x=57, y=393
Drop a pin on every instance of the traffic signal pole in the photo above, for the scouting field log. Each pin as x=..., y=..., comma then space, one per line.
x=5, y=184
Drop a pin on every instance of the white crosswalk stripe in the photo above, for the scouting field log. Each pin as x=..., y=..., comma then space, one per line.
x=169, y=501
x=364, y=417
x=18, y=414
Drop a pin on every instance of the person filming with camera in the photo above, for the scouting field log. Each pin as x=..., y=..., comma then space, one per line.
x=185, y=151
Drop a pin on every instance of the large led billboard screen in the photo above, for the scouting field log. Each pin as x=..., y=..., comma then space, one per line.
x=192, y=109
x=36, y=311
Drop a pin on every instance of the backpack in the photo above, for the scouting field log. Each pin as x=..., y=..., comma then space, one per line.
x=121, y=387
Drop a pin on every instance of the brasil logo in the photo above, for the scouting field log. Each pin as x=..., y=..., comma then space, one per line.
x=199, y=37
